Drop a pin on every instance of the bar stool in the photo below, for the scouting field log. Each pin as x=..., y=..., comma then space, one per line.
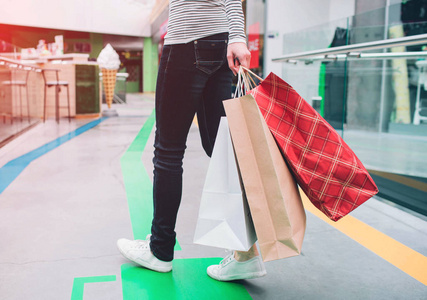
x=57, y=84
x=4, y=115
x=16, y=74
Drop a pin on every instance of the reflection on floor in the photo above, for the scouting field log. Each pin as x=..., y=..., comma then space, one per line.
x=408, y=191
x=10, y=129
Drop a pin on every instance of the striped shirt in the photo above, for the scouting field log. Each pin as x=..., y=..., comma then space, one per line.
x=190, y=20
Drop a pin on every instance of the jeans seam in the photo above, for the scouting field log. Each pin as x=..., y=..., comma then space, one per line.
x=169, y=56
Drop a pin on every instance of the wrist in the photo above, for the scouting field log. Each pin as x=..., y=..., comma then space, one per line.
x=237, y=40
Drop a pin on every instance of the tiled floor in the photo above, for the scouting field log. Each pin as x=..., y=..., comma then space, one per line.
x=61, y=215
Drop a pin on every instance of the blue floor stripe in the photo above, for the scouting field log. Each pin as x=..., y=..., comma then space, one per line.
x=12, y=169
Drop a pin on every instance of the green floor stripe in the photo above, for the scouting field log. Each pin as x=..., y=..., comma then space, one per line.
x=188, y=280
x=79, y=283
x=138, y=185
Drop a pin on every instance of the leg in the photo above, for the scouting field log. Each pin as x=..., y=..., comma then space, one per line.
x=211, y=109
x=239, y=265
x=195, y=75
x=179, y=89
x=178, y=92
x=242, y=256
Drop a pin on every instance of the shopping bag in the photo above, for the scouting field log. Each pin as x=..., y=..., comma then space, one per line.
x=272, y=193
x=224, y=219
x=328, y=171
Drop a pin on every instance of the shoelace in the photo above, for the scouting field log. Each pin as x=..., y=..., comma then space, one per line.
x=141, y=244
x=227, y=259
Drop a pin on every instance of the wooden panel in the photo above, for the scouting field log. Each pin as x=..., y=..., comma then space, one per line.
x=87, y=89
x=35, y=93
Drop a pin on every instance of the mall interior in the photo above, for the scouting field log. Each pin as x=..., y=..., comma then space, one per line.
x=76, y=149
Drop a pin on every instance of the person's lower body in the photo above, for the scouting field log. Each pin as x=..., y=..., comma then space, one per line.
x=193, y=78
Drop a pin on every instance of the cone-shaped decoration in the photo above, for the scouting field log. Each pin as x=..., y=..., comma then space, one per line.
x=109, y=83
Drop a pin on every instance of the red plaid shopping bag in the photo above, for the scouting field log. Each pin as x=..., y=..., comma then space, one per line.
x=325, y=167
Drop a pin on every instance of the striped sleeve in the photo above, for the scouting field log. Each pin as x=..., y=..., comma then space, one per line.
x=236, y=21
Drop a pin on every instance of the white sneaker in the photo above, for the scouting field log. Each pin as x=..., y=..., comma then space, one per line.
x=231, y=269
x=139, y=252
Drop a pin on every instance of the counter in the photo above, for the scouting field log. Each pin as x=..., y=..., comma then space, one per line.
x=84, y=84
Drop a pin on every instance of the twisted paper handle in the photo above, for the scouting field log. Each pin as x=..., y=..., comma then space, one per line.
x=245, y=81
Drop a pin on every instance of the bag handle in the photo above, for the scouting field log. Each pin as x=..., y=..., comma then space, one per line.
x=252, y=73
x=245, y=81
x=239, y=87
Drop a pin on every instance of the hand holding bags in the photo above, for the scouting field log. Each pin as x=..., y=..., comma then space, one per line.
x=272, y=194
x=224, y=219
x=325, y=167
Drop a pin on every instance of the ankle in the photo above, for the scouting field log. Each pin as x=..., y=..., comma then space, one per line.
x=244, y=256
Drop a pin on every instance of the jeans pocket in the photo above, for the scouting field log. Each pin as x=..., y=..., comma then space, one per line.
x=210, y=54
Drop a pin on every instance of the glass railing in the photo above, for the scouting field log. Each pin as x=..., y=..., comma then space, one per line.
x=379, y=106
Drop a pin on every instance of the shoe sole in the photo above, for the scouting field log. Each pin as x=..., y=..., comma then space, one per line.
x=240, y=276
x=147, y=266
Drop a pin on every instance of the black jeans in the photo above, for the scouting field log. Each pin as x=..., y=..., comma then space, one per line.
x=193, y=78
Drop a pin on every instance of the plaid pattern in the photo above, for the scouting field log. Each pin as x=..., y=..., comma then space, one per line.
x=325, y=167
x=109, y=82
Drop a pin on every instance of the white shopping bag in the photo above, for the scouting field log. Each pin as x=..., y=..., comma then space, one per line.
x=224, y=218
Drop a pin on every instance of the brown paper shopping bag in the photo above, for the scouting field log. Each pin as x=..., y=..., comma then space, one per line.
x=271, y=191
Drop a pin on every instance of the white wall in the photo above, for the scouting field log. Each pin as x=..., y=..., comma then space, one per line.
x=287, y=16
x=122, y=17
x=339, y=9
